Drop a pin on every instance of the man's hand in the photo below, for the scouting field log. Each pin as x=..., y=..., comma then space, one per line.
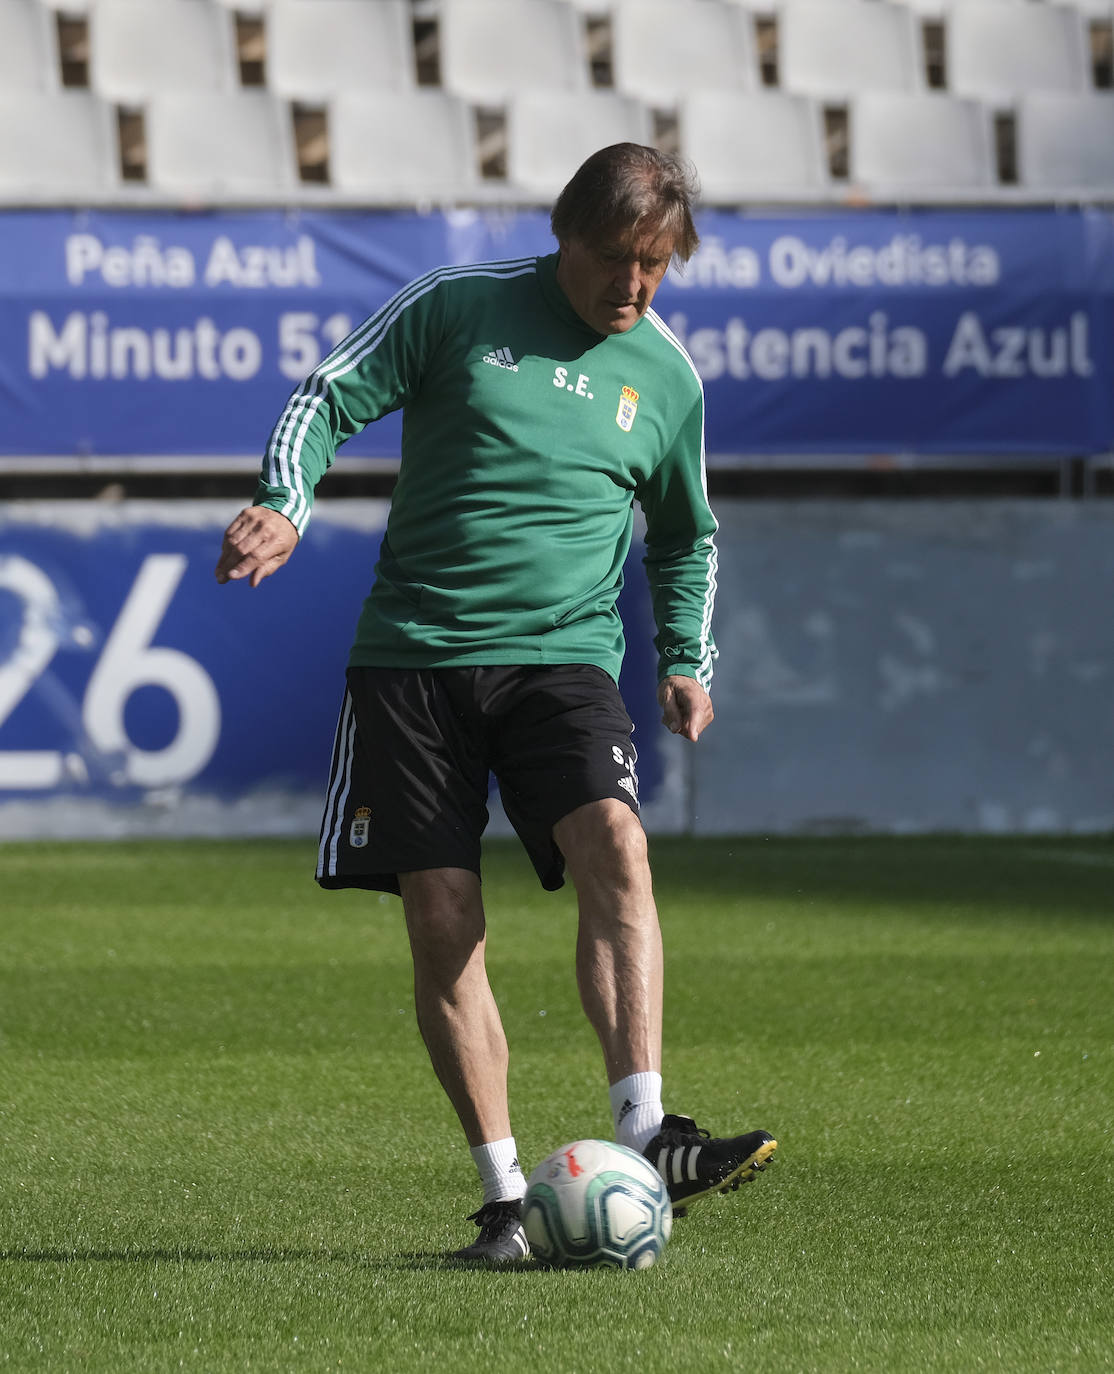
x=686, y=708
x=256, y=544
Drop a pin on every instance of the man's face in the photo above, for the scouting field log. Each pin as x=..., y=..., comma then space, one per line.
x=610, y=285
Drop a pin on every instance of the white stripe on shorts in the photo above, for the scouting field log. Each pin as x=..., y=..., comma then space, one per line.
x=344, y=748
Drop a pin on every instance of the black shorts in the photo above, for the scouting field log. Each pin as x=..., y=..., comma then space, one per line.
x=415, y=747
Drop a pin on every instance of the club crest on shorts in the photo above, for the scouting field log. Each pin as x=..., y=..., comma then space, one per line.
x=628, y=405
x=357, y=831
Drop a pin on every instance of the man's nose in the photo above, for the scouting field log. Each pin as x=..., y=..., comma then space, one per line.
x=628, y=275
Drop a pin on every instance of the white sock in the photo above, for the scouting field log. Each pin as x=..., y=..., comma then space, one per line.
x=636, y=1107
x=500, y=1171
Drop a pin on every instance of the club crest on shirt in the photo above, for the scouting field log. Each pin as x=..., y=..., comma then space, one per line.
x=628, y=405
x=357, y=833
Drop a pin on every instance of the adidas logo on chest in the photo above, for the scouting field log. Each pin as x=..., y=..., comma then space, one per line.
x=501, y=357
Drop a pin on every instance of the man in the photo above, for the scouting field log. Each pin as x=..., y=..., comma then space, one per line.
x=540, y=397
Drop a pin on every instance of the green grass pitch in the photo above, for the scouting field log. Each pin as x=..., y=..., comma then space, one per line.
x=222, y=1148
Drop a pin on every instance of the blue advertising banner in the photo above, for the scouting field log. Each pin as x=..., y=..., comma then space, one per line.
x=134, y=689
x=927, y=666
x=922, y=332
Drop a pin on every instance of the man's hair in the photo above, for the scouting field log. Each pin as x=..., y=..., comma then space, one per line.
x=629, y=189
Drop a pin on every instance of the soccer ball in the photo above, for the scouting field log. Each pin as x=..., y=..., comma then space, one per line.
x=596, y=1203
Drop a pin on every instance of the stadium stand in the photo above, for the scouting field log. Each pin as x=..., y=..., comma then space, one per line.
x=442, y=103
x=537, y=163
x=920, y=146
x=764, y=145
x=316, y=50
x=710, y=47
x=28, y=47
x=423, y=149
x=685, y=64
x=220, y=146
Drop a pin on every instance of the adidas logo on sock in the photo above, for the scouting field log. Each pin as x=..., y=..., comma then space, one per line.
x=625, y=1110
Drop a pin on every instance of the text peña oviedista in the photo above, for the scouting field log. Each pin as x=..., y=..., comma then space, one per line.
x=791, y=262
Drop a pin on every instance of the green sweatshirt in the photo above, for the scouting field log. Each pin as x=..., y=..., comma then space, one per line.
x=526, y=439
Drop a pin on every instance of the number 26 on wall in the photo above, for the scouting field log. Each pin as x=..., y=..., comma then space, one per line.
x=127, y=662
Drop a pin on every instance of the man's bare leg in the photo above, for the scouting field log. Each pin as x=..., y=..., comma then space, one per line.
x=456, y=1010
x=463, y=1033
x=619, y=949
x=619, y=967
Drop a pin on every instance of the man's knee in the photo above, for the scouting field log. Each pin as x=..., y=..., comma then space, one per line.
x=604, y=841
x=444, y=915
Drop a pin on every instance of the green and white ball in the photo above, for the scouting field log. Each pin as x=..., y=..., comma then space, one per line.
x=595, y=1203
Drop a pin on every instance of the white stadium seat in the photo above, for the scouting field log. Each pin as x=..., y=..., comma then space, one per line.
x=316, y=48
x=491, y=50
x=219, y=147
x=834, y=50
x=1092, y=9
x=539, y=162
x=1065, y=144
x=927, y=9
x=662, y=50
x=762, y=145
x=57, y=148
x=415, y=147
x=28, y=47
x=139, y=48
x=999, y=50
x=928, y=146
x=937, y=9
